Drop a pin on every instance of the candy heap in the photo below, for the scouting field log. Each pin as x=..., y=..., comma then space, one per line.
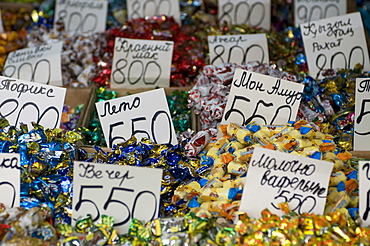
x=208, y=97
x=330, y=102
x=46, y=166
x=218, y=193
x=177, y=168
x=288, y=229
x=80, y=52
x=188, y=51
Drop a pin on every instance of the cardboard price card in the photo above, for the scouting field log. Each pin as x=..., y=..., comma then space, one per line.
x=141, y=63
x=10, y=172
x=336, y=42
x=361, y=135
x=1, y=22
x=239, y=49
x=81, y=16
x=143, y=114
x=26, y=102
x=123, y=192
x=364, y=192
x=143, y=8
x=308, y=10
x=41, y=64
x=252, y=13
x=282, y=177
x=261, y=98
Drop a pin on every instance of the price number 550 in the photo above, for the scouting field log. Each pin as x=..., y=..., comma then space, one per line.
x=115, y=204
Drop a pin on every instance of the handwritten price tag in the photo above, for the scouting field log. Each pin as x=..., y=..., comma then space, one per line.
x=143, y=114
x=261, y=98
x=252, y=13
x=123, y=192
x=282, y=177
x=1, y=22
x=308, y=10
x=364, y=192
x=337, y=42
x=82, y=16
x=26, y=102
x=143, y=8
x=141, y=63
x=10, y=179
x=238, y=48
x=362, y=110
x=40, y=64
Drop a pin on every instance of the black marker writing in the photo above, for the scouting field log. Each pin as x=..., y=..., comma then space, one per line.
x=291, y=96
x=326, y=45
x=336, y=29
x=90, y=172
x=306, y=14
x=293, y=166
x=150, y=8
x=124, y=46
x=117, y=175
x=149, y=74
x=301, y=184
x=123, y=106
x=21, y=88
x=10, y=163
x=241, y=13
x=227, y=39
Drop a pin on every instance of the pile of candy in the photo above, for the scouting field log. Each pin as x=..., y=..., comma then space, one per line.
x=46, y=160
x=208, y=97
x=218, y=193
x=177, y=168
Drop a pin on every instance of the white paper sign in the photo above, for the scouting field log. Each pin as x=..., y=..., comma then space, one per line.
x=361, y=136
x=1, y=22
x=141, y=63
x=10, y=169
x=143, y=8
x=337, y=42
x=123, y=192
x=143, y=114
x=309, y=10
x=238, y=49
x=26, y=102
x=40, y=64
x=82, y=16
x=282, y=177
x=252, y=13
x=364, y=192
x=261, y=98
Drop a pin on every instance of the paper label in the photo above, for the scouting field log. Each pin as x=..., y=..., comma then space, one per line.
x=261, y=98
x=143, y=114
x=123, y=192
x=337, y=42
x=238, y=49
x=26, y=102
x=282, y=177
x=141, y=63
x=82, y=16
x=40, y=64
x=252, y=13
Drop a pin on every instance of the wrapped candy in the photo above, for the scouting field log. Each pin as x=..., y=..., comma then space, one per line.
x=329, y=104
x=208, y=97
x=177, y=168
x=188, y=52
x=80, y=52
x=46, y=159
x=228, y=158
